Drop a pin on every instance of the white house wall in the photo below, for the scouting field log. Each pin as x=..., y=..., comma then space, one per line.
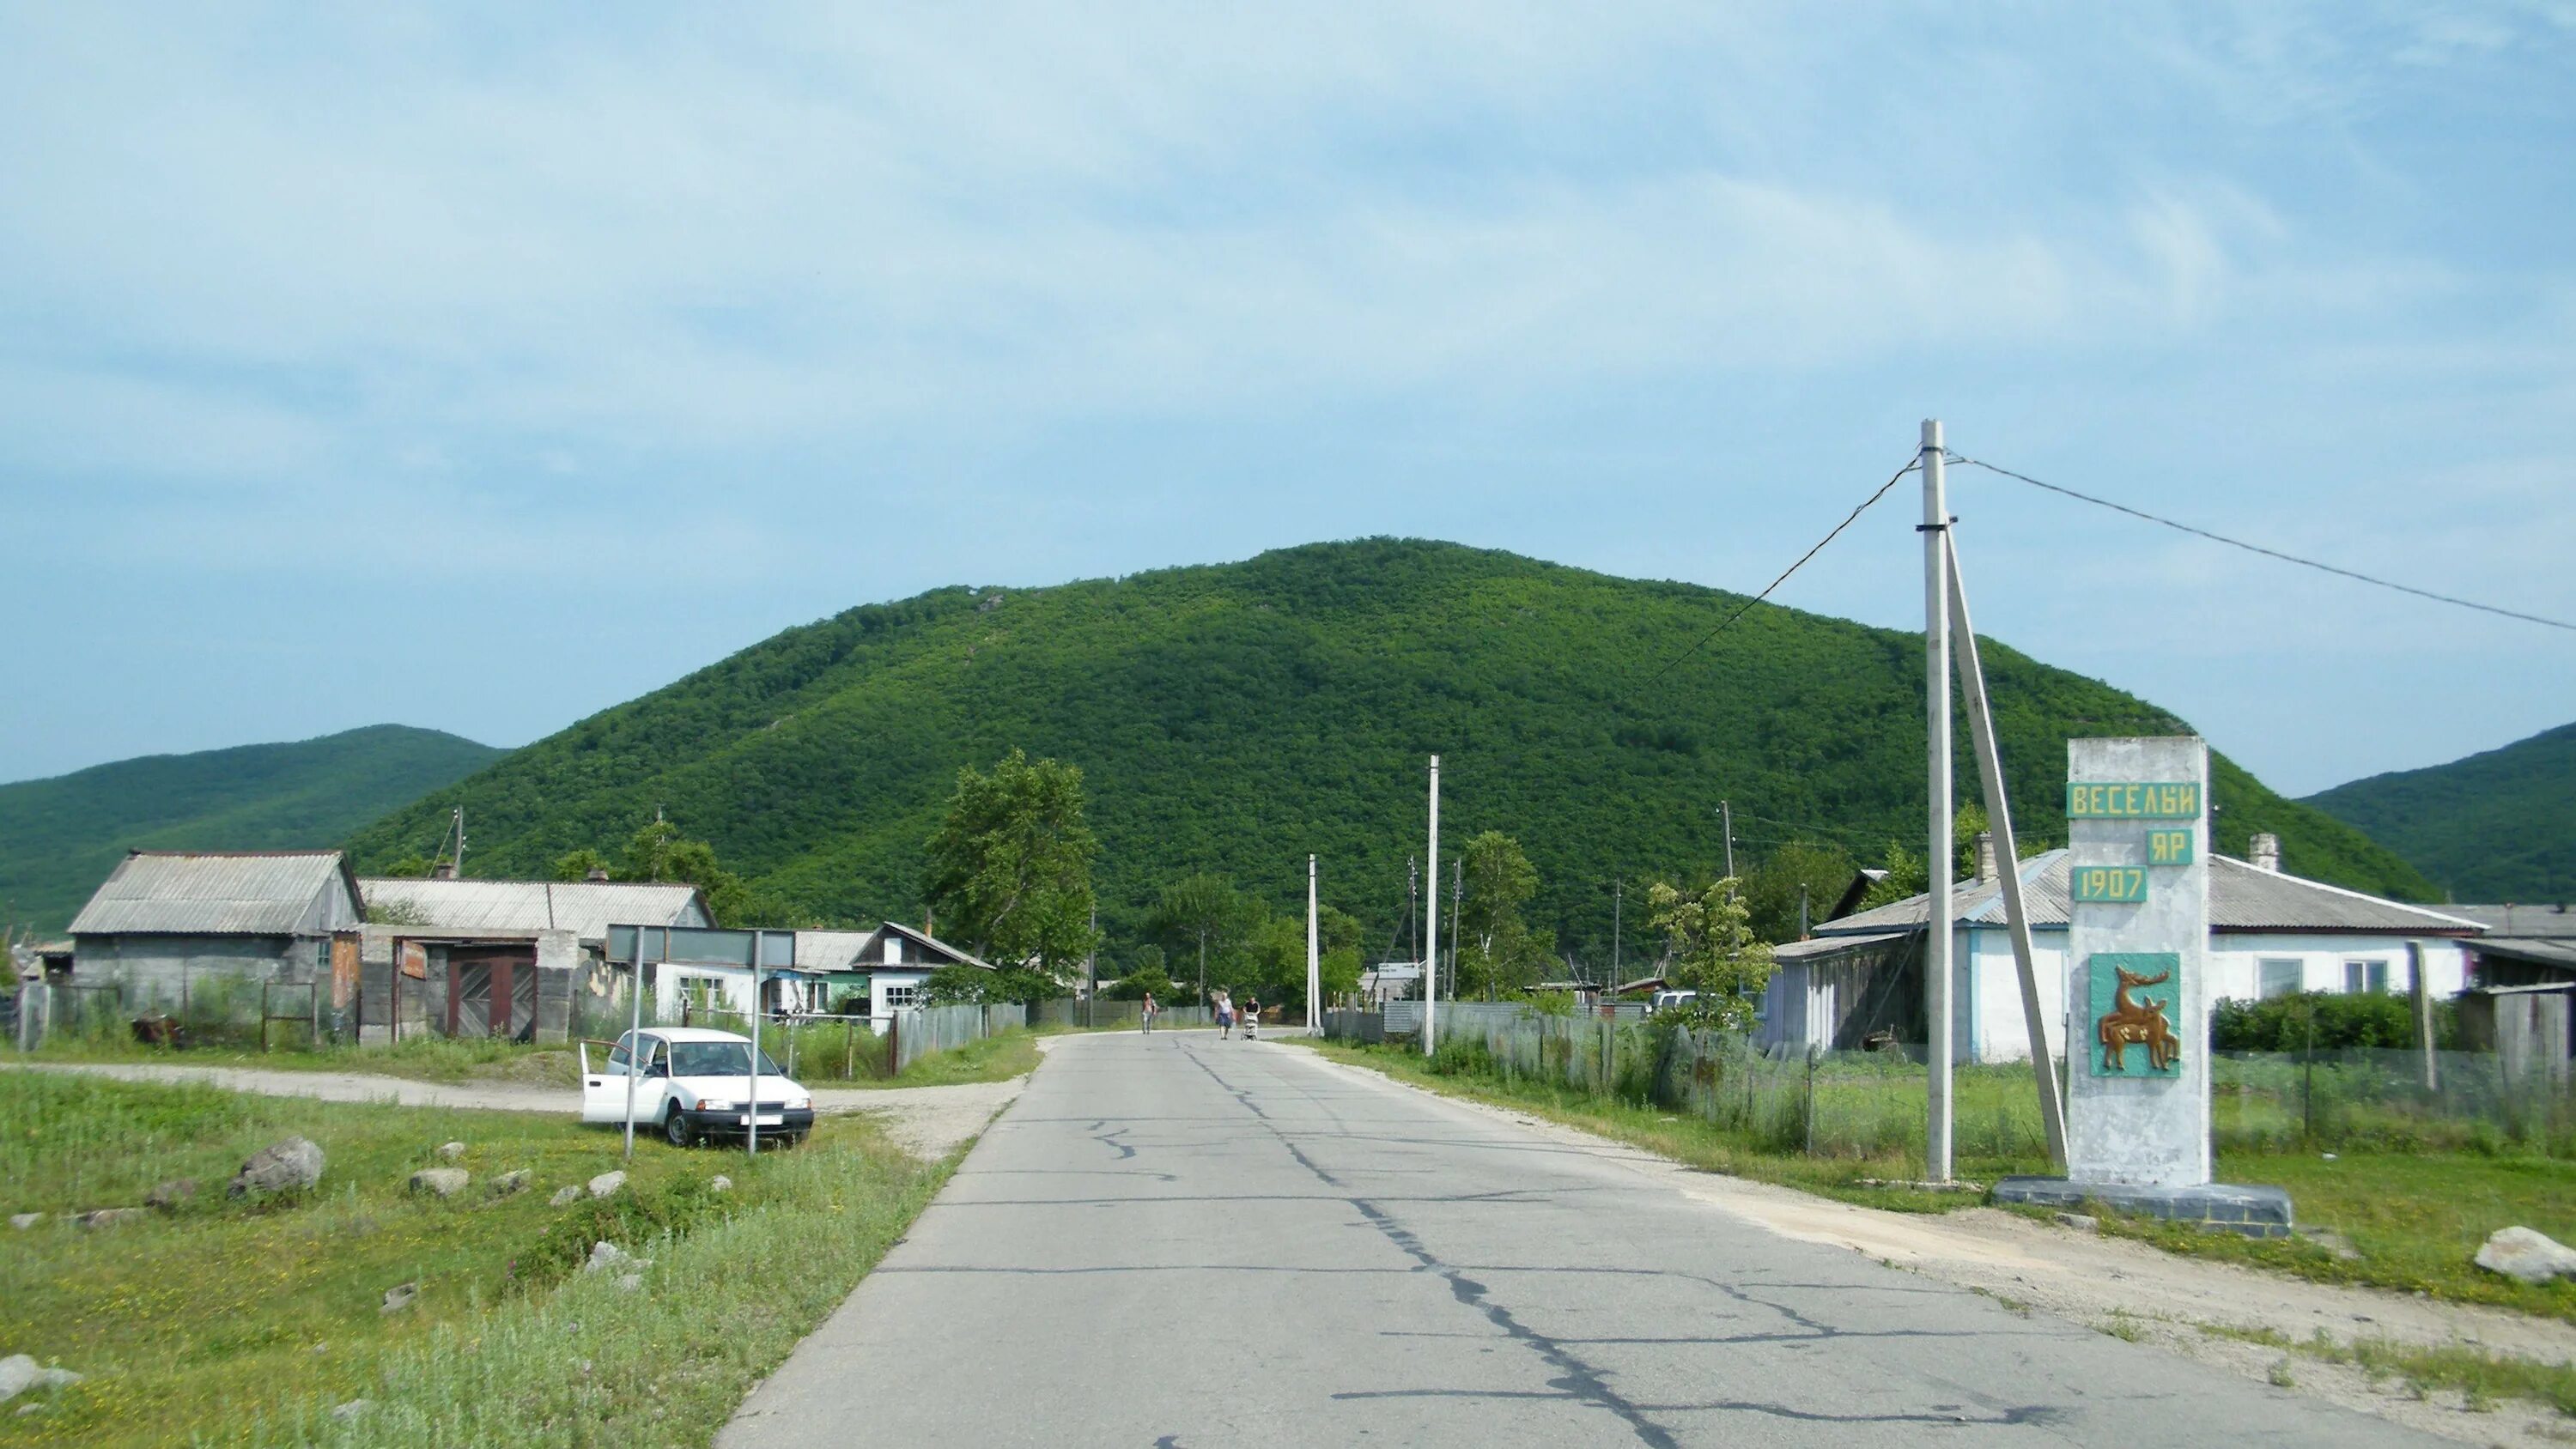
x=1986, y=992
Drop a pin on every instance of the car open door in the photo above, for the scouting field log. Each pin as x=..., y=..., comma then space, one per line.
x=603, y=1082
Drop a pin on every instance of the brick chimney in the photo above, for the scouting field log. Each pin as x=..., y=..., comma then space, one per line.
x=444, y=870
x=596, y=872
x=1986, y=871
x=2264, y=851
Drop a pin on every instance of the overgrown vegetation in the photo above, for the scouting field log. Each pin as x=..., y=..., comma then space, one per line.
x=1231, y=719
x=225, y=1322
x=2326, y=1021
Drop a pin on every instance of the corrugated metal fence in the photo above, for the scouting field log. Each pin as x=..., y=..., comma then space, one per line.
x=923, y=1030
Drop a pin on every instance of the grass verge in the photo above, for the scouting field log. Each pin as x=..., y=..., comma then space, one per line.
x=233, y=1323
x=2478, y=1376
x=2414, y=1219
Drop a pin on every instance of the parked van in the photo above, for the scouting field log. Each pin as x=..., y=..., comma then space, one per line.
x=695, y=1084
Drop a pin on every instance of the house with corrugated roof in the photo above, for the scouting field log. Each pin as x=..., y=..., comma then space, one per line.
x=515, y=959
x=888, y=966
x=177, y=930
x=2270, y=934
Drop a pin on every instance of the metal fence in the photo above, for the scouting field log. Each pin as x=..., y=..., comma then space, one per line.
x=1106, y=1015
x=2376, y=1097
x=1871, y=1104
x=922, y=1030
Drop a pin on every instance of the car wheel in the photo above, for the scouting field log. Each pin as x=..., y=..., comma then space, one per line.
x=676, y=1128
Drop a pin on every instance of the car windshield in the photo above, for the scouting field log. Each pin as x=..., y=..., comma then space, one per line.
x=717, y=1059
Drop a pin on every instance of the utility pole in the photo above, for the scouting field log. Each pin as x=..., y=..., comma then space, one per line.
x=1413, y=907
x=1618, y=892
x=1091, y=972
x=1990, y=775
x=1726, y=826
x=1431, y=920
x=1938, y=926
x=1314, y=956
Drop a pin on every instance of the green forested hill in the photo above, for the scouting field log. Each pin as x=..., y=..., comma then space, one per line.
x=2495, y=827
x=60, y=837
x=1232, y=718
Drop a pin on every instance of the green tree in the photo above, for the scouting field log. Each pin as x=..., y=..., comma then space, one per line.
x=1201, y=917
x=413, y=867
x=578, y=864
x=1819, y=873
x=1496, y=950
x=657, y=851
x=1712, y=950
x=1010, y=865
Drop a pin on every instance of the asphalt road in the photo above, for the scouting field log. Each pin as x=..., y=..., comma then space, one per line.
x=1177, y=1240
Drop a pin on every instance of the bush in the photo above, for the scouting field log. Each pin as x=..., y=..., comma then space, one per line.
x=2339, y=1020
x=1461, y=1057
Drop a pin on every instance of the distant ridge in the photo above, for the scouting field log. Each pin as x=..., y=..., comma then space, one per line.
x=59, y=837
x=1234, y=717
x=2494, y=827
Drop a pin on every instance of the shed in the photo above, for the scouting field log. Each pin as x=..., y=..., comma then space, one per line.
x=517, y=959
x=198, y=932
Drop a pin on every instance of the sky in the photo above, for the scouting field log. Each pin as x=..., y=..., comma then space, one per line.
x=480, y=367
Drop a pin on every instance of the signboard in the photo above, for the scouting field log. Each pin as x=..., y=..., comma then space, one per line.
x=2137, y=1099
x=2125, y=884
x=2132, y=799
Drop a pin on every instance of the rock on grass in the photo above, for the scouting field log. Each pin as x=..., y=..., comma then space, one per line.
x=289, y=1166
x=2519, y=1253
x=439, y=1181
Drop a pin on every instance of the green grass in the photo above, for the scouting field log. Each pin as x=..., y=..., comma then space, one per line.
x=818, y=1062
x=2416, y=1218
x=427, y=1057
x=239, y=1323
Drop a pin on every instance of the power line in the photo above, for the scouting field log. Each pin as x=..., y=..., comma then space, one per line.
x=1730, y=619
x=2272, y=553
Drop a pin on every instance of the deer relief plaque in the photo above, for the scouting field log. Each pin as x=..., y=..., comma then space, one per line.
x=2135, y=1003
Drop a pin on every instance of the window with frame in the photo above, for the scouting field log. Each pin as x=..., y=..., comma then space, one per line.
x=2365, y=976
x=2277, y=976
x=903, y=997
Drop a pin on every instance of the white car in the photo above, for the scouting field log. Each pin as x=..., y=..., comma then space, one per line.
x=1663, y=999
x=695, y=1084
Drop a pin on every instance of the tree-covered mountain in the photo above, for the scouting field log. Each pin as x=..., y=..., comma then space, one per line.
x=60, y=837
x=2494, y=827
x=1232, y=718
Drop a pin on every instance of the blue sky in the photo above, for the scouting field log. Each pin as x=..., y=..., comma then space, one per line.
x=481, y=368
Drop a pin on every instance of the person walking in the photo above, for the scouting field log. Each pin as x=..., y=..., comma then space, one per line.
x=1224, y=1015
x=1147, y=1015
x=1252, y=1019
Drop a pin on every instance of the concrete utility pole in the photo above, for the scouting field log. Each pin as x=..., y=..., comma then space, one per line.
x=1618, y=894
x=1314, y=956
x=1990, y=775
x=1726, y=827
x=1431, y=919
x=1937, y=925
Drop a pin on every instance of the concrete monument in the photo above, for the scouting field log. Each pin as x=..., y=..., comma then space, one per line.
x=2137, y=1098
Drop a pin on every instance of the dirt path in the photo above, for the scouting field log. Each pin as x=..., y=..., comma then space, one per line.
x=2137, y=1292
x=929, y=1121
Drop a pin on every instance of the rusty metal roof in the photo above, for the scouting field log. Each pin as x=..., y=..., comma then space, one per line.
x=211, y=893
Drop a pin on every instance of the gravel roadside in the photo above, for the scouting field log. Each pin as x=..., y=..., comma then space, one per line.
x=928, y=1121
